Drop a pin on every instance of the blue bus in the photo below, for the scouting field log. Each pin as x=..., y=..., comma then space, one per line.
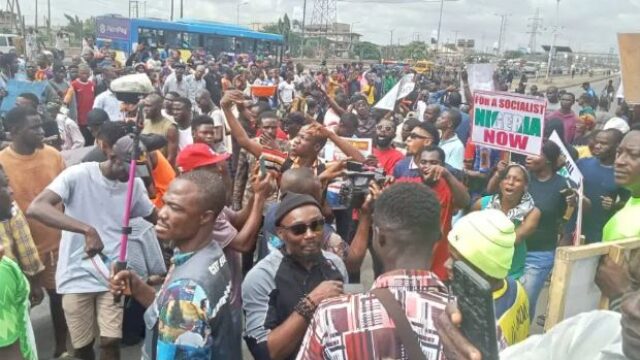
x=186, y=35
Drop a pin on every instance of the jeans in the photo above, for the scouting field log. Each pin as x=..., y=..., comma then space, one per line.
x=537, y=267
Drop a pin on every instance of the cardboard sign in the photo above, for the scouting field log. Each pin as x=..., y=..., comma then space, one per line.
x=333, y=153
x=508, y=122
x=629, y=45
x=403, y=88
x=573, y=172
x=481, y=76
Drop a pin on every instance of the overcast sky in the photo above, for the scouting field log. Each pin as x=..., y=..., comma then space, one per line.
x=587, y=25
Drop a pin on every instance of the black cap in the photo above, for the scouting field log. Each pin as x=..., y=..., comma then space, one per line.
x=97, y=117
x=291, y=201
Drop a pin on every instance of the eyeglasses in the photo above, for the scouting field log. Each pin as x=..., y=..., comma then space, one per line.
x=384, y=128
x=418, y=136
x=299, y=229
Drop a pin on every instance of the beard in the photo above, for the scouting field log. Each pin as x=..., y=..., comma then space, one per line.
x=383, y=142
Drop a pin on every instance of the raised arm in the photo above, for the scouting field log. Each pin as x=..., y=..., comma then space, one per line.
x=249, y=220
x=342, y=144
x=237, y=131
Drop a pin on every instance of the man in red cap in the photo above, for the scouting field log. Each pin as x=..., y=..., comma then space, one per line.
x=225, y=232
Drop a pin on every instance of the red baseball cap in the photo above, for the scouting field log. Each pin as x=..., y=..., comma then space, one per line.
x=198, y=155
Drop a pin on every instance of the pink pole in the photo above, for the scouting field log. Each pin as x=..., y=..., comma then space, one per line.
x=124, y=240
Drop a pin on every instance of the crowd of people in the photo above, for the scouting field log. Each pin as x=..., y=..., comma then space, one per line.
x=243, y=226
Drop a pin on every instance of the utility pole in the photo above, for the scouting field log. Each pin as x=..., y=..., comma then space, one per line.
x=534, y=29
x=455, y=37
x=36, y=25
x=181, y=9
x=503, y=28
x=391, y=44
x=172, y=6
x=439, y=26
x=304, y=24
x=49, y=17
x=552, y=49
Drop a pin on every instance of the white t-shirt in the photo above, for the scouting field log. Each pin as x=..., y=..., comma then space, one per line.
x=286, y=92
x=185, y=138
x=108, y=102
x=97, y=201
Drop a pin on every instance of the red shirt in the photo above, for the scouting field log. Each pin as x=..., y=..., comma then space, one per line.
x=388, y=158
x=84, y=97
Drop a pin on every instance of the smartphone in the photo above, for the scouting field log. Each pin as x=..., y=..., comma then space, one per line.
x=475, y=301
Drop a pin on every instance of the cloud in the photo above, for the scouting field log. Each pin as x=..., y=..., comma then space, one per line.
x=587, y=25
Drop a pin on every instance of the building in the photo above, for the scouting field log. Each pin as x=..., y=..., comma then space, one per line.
x=339, y=36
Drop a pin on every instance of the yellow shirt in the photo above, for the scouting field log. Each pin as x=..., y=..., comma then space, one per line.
x=369, y=91
x=512, y=311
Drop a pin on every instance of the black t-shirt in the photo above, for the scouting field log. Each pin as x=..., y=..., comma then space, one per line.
x=552, y=204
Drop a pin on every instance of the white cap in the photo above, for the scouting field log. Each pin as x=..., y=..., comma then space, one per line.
x=617, y=123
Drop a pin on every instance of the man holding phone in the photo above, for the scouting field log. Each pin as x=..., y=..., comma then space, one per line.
x=405, y=228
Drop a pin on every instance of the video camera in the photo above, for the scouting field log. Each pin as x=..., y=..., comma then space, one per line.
x=356, y=188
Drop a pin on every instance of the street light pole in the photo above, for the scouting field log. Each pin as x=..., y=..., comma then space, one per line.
x=304, y=24
x=439, y=25
x=238, y=11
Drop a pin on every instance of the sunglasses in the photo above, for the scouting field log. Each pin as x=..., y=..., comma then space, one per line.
x=384, y=128
x=299, y=229
x=417, y=136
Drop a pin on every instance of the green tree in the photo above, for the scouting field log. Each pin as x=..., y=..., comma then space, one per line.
x=367, y=50
x=416, y=50
x=80, y=28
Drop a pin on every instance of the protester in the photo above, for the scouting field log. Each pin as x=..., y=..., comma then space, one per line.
x=181, y=111
x=176, y=82
x=93, y=195
x=156, y=123
x=566, y=114
x=193, y=203
x=17, y=340
x=30, y=167
x=552, y=195
x=70, y=135
x=599, y=184
x=452, y=146
x=386, y=155
x=491, y=251
x=280, y=293
x=84, y=89
x=406, y=228
x=514, y=199
x=451, y=194
x=624, y=223
x=108, y=102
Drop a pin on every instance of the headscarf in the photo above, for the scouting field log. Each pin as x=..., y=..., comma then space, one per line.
x=589, y=121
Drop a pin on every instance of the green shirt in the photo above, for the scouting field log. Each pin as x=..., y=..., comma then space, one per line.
x=624, y=224
x=15, y=324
